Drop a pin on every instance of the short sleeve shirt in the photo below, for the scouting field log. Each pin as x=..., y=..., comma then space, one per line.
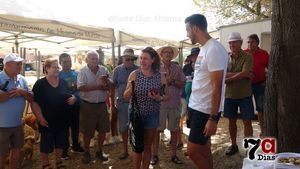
x=120, y=76
x=53, y=103
x=11, y=111
x=173, y=72
x=87, y=77
x=242, y=88
x=71, y=78
x=260, y=62
x=212, y=57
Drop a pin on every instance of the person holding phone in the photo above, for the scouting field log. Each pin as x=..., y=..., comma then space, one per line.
x=148, y=81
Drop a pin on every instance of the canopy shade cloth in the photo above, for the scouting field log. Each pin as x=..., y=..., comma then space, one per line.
x=55, y=28
x=124, y=38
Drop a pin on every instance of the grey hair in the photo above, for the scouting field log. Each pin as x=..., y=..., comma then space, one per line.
x=91, y=52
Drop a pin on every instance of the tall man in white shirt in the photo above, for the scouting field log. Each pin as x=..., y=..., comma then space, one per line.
x=207, y=91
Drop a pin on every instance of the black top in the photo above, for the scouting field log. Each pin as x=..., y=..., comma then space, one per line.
x=53, y=103
x=188, y=69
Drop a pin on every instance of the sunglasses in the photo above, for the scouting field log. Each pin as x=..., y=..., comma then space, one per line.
x=129, y=59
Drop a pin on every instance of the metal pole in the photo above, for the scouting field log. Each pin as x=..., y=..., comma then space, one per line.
x=39, y=66
x=119, y=51
x=21, y=52
x=16, y=44
x=181, y=53
x=180, y=60
x=13, y=49
x=113, y=53
x=36, y=61
x=24, y=54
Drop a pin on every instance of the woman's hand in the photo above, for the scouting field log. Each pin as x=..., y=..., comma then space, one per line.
x=42, y=121
x=71, y=100
x=154, y=94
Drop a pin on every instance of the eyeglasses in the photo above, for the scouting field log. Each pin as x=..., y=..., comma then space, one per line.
x=55, y=67
x=129, y=60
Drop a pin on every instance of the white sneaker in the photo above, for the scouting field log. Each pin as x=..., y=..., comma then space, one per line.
x=163, y=137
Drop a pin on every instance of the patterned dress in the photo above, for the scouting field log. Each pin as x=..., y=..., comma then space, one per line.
x=143, y=85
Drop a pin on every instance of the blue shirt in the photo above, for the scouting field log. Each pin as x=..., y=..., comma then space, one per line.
x=120, y=77
x=11, y=111
x=71, y=78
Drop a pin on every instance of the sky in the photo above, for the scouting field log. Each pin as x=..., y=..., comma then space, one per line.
x=156, y=18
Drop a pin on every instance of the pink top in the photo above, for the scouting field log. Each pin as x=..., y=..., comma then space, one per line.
x=175, y=73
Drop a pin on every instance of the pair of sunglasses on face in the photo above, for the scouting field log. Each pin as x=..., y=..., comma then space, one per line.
x=129, y=59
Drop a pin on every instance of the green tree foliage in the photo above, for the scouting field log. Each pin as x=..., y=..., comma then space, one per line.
x=235, y=11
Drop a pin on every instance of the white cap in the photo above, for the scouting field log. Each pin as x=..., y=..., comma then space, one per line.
x=234, y=36
x=12, y=57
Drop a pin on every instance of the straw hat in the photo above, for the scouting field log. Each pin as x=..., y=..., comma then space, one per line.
x=175, y=51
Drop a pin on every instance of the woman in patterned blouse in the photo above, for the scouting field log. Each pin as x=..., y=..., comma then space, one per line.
x=148, y=84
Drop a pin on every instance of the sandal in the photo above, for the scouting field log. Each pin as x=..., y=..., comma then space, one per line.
x=179, y=146
x=176, y=160
x=123, y=156
x=47, y=166
x=60, y=165
x=154, y=160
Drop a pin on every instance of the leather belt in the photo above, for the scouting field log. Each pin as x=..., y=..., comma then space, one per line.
x=91, y=102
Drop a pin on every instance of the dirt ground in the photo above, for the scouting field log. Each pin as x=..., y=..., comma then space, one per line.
x=220, y=142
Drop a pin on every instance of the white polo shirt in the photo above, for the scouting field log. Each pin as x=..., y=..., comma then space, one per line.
x=87, y=77
x=212, y=57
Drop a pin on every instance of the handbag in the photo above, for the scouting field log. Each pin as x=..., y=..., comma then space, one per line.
x=136, y=125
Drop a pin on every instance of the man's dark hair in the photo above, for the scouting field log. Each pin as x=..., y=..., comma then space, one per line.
x=63, y=55
x=197, y=20
x=254, y=37
x=1, y=64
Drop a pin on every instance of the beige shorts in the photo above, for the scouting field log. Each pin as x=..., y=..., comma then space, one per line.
x=93, y=117
x=172, y=115
x=12, y=137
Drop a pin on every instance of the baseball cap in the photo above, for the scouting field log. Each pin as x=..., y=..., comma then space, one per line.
x=194, y=51
x=12, y=57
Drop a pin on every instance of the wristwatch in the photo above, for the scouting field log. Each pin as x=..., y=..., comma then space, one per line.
x=214, y=117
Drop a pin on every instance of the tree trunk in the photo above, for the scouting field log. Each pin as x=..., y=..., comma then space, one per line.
x=282, y=107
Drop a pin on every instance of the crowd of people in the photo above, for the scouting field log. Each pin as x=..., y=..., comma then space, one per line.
x=68, y=102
